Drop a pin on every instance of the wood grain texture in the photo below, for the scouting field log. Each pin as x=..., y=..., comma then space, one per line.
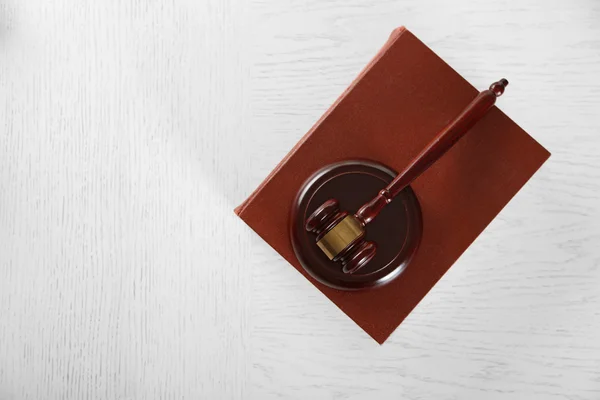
x=130, y=129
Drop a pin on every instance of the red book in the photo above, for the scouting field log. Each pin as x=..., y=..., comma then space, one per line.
x=393, y=109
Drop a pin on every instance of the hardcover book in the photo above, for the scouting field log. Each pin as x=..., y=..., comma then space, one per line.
x=396, y=105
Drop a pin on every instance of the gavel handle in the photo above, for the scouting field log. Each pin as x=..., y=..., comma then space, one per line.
x=434, y=150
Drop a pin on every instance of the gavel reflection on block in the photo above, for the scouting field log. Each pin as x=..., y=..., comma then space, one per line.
x=341, y=235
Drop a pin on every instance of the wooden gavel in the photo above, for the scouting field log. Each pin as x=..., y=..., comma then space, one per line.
x=341, y=236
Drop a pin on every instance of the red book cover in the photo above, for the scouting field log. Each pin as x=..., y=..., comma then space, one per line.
x=392, y=110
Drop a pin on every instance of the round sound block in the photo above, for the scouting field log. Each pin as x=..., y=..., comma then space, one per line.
x=396, y=230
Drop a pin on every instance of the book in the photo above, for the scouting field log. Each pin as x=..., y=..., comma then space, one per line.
x=395, y=106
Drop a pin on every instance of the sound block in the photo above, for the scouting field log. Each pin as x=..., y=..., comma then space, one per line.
x=397, y=230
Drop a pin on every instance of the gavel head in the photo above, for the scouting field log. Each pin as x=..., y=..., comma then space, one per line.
x=341, y=236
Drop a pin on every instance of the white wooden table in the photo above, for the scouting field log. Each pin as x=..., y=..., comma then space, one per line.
x=129, y=129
